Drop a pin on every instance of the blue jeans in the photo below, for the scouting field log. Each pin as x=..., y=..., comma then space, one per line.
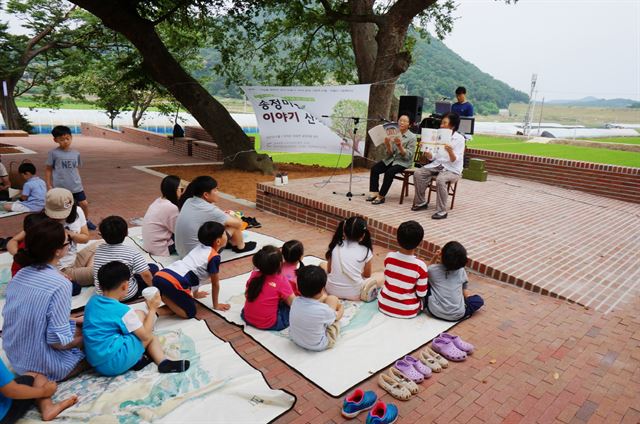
x=282, y=318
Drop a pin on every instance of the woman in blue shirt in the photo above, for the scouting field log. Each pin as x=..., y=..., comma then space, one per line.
x=38, y=335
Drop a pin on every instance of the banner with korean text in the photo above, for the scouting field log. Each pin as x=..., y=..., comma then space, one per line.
x=310, y=119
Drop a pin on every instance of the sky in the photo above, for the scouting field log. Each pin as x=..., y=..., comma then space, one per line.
x=578, y=48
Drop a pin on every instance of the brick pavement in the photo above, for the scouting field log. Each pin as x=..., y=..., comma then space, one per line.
x=568, y=243
x=554, y=361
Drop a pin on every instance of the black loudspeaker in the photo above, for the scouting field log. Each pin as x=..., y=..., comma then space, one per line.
x=411, y=106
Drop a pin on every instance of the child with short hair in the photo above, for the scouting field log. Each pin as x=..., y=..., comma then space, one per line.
x=448, y=298
x=33, y=192
x=269, y=294
x=114, y=230
x=314, y=315
x=62, y=167
x=292, y=253
x=405, y=275
x=17, y=394
x=349, y=262
x=115, y=336
x=179, y=282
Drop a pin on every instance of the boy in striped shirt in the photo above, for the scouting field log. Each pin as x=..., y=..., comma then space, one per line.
x=405, y=276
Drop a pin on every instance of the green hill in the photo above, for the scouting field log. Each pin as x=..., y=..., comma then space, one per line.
x=435, y=73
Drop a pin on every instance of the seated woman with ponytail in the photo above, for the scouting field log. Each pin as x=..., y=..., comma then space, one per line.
x=38, y=334
x=197, y=206
x=159, y=222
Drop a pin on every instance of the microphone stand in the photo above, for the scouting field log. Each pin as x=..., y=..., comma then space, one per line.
x=356, y=120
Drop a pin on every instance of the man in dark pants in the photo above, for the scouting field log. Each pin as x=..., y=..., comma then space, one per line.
x=400, y=151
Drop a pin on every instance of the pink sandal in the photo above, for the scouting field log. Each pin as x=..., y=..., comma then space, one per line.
x=409, y=371
x=466, y=347
x=422, y=368
x=446, y=348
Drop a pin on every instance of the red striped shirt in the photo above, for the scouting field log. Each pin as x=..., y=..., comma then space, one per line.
x=405, y=282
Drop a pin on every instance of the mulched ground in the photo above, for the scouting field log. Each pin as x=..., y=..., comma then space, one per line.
x=242, y=184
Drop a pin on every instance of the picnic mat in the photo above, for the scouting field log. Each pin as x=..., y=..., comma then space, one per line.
x=4, y=214
x=369, y=340
x=219, y=387
x=135, y=237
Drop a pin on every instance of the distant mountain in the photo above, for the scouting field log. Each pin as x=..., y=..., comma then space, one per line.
x=591, y=101
x=436, y=71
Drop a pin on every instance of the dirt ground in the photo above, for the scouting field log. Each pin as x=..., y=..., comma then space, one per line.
x=242, y=184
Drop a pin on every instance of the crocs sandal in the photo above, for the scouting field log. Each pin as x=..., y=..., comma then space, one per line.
x=404, y=381
x=466, y=347
x=408, y=371
x=418, y=365
x=430, y=361
x=394, y=388
x=446, y=348
x=435, y=355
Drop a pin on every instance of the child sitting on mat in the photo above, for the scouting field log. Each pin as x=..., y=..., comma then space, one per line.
x=114, y=230
x=349, y=262
x=178, y=283
x=269, y=294
x=32, y=194
x=314, y=315
x=117, y=338
x=292, y=253
x=405, y=275
x=14, y=246
x=17, y=394
x=448, y=298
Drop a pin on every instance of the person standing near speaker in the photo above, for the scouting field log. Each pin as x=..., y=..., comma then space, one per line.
x=462, y=107
x=400, y=150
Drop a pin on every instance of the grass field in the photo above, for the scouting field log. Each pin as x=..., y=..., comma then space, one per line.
x=561, y=151
x=622, y=140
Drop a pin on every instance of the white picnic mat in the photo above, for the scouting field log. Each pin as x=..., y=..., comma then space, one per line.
x=369, y=340
x=4, y=214
x=219, y=387
x=135, y=238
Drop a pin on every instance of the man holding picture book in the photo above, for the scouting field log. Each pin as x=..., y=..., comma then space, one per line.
x=400, y=147
x=444, y=149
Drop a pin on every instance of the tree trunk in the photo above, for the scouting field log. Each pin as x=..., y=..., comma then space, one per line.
x=13, y=120
x=121, y=16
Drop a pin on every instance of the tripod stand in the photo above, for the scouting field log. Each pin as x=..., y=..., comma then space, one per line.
x=356, y=120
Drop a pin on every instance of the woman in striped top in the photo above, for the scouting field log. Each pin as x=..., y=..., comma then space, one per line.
x=38, y=335
x=405, y=276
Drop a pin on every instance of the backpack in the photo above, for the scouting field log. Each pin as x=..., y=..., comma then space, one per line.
x=178, y=131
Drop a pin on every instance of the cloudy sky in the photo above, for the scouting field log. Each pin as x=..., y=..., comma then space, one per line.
x=578, y=48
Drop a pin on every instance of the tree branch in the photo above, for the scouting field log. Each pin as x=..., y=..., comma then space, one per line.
x=46, y=31
x=306, y=56
x=170, y=12
x=407, y=10
x=338, y=16
x=28, y=87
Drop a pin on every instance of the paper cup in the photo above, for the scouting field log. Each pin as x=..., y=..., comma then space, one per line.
x=149, y=293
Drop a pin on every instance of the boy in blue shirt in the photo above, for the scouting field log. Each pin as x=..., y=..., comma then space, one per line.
x=33, y=193
x=18, y=393
x=462, y=107
x=62, y=169
x=115, y=336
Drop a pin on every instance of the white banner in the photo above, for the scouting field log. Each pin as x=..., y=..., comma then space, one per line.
x=290, y=119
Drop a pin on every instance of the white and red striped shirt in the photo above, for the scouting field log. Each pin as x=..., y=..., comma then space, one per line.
x=405, y=279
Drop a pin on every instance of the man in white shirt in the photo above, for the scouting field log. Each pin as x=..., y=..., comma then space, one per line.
x=446, y=164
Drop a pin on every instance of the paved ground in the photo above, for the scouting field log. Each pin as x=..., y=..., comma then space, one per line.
x=538, y=359
x=580, y=246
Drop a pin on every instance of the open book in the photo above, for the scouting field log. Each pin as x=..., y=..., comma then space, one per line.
x=380, y=132
x=433, y=140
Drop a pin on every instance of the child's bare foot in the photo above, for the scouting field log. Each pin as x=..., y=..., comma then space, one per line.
x=52, y=410
x=164, y=311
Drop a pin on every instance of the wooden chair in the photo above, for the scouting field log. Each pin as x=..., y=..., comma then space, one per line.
x=405, y=176
x=451, y=190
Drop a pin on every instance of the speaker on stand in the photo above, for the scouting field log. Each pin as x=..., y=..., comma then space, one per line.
x=412, y=107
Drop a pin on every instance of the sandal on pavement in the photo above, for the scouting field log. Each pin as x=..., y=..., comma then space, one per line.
x=404, y=381
x=443, y=362
x=430, y=361
x=408, y=371
x=418, y=365
x=466, y=347
x=446, y=348
x=394, y=388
